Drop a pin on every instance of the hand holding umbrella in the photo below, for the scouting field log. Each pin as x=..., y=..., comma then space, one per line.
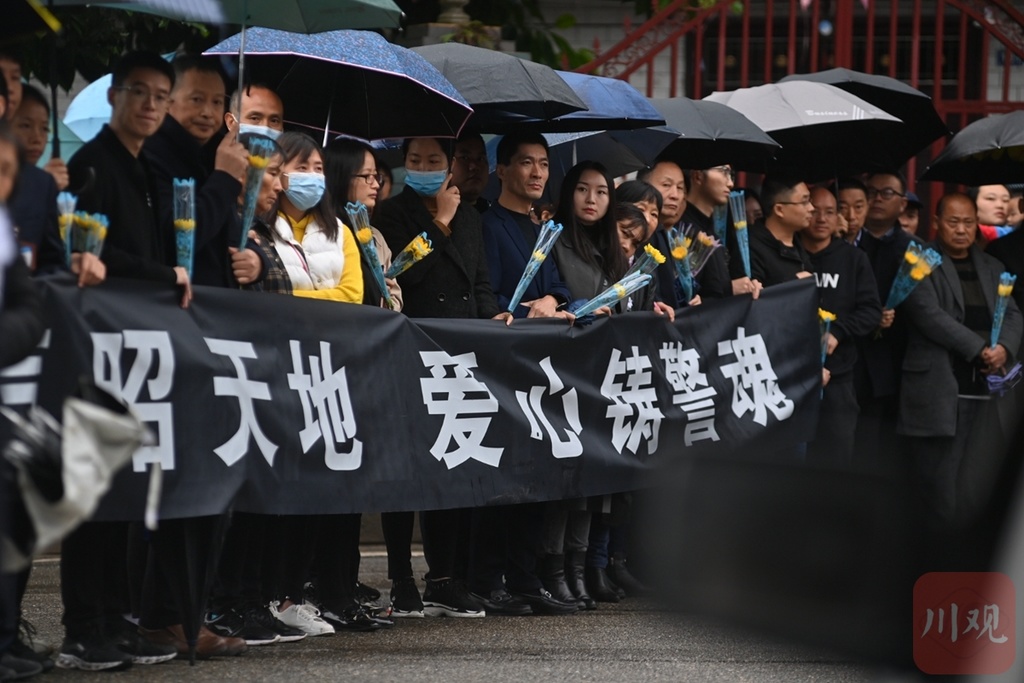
x=413, y=253
x=364, y=236
x=185, y=223
x=549, y=233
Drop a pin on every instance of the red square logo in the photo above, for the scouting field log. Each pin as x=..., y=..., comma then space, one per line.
x=964, y=623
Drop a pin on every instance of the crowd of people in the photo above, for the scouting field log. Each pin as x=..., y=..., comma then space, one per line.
x=906, y=385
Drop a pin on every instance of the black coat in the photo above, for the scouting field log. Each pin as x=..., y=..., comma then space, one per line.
x=21, y=314
x=881, y=355
x=450, y=282
x=715, y=279
x=1010, y=252
x=109, y=180
x=846, y=287
x=34, y=213
x=174, y=153
x=771, y=261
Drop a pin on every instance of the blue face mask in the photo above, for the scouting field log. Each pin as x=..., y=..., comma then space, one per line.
x=305, y=190
x=265, y=131
x=425, y=183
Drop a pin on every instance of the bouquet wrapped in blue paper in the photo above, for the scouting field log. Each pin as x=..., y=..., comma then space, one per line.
x=701, y=246
x=260, y=151
x=647, y=262
x=825, y=320
x=720, y=219
x=620, y=290
x=66, y=203
x=1006, y=282
x=738, y=206
x=185, y=223
x=360, y=219
x=680, y=252
x=918, y=263
x=549, y=233
x=413, y=253
x=89, y=231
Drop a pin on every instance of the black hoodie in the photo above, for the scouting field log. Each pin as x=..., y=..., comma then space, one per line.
x=771, y=261
x=846, y=287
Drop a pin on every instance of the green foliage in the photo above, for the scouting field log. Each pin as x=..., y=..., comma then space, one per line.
x=94, y=37
x=471, y=33
x=524, y=22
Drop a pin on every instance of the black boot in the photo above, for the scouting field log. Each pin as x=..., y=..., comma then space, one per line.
x=552, y=577
x=620, y=574
x=577, y=583
x=600, y=585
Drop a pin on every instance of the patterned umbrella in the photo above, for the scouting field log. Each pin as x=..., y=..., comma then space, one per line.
x=352, y=82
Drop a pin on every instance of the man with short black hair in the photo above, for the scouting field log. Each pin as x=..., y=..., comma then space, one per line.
x=469, y=170
x=853, y=206
x=256, y=109
x=776, y=255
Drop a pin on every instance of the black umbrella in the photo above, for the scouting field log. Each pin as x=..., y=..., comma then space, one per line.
x=987, y=152
x=712, y=134
x=25, y=17
x=910, y=105
x=497, y=84
x=824, y=131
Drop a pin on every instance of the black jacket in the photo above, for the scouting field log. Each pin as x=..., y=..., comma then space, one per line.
x=771, y=261
x=450, y=282
x=21, y=314
x=1010, y=251
x=715, y=279
x=846, y=287
x=109, y=180
x=881, y=355
x=174, y=153
x=34, y=213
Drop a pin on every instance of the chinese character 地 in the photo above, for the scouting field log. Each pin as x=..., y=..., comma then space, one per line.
x=153, y=353
x=571, y=447
x=691, y=392
x=325, y=392
x=246, y=391
x=453, y=391
x=633, y=397
x=755, y=385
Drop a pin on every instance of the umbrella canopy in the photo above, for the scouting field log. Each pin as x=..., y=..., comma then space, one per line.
x=612, y=104
x=497, y=84
x=824, y=131
x=300, y=16
x=352, y=82
x=711, y=134
x=910, y=105
x=989, y=151
x=90, y=109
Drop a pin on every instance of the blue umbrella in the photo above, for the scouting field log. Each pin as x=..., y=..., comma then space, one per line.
x=612, y=104
x=352, y=82
x=90, y=109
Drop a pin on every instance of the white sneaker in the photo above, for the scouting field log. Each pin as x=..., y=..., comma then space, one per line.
x=306, y=618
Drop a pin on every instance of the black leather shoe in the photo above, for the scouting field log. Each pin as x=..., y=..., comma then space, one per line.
x=620, y=574
x=501, y=602
x=542, y=602
x=552, y=577
x=577, y=584
x=599, y=585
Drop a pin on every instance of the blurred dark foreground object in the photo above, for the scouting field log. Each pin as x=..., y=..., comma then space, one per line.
x=63, y=471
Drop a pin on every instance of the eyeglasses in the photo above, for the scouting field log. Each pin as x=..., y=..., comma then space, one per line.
x=886, y=193
x=727, y=170
x=141, y=93
x=467, y=159
x=370, y=178
x=806, y=202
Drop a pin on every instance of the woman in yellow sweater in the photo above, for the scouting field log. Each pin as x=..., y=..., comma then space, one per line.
x=319, y=253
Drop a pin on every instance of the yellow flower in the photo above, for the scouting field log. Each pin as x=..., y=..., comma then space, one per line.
x=1005, y=290
x=826, y=316
x=911, y=258
x=539, y=256
x=101, y=232
x=620, y=291
x=419, y=247
x=740, y=225
x=920, y=272
x=364, y=235
x=679, y=253
x=704, y=238
x=654, y=254
x=257, y=161
x=184, y=224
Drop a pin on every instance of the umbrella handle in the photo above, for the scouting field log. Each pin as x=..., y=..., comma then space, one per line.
x=53, y=92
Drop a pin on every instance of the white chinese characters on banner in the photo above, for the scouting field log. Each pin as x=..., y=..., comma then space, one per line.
x=246, y=391
x=755, y=385
x=530, y=403
x=633, y=397
x=153, y=370
x=453, y=391
x=691, y=392
x=19, y=383
x=324, y=391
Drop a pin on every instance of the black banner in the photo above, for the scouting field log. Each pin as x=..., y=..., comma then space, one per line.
x=290, y=406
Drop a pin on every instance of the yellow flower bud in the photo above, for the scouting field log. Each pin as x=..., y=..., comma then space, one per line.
x=1005, y=290
x=620, y=291
x=364, y=235
x=826, y=316
x=539, y=256
x=911, y=258
x=679, y=253
x=257, y=161
x=654, y=254
x=184, y=224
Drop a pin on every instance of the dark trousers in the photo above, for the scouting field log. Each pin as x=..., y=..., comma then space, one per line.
x=94, y=575
x=9, y=595
x=337, y=537
x=294, y=538
x=504, y=541
x=239, y=579
x=445, y=543
x=837, y=425
x=397, y=529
